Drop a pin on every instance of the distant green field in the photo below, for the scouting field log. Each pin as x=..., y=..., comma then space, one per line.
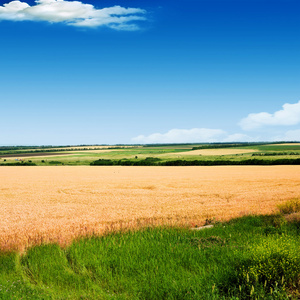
x=78, y=156
x=276, y=147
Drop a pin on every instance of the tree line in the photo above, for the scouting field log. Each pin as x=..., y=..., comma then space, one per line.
x=224, y=162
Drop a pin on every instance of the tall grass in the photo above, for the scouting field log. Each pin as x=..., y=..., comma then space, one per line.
x=254, y=257
x=291, y=206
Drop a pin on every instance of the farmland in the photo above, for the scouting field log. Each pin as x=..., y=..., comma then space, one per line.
x=74, y=229
x=59, y=203
x=85, y=155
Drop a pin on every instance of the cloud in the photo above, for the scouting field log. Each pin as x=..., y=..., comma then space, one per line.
x=289, y=115
x=195, y=135
x=291, y=136
x=74, y=13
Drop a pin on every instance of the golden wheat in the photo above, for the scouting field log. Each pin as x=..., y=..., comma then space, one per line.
x=43, y=204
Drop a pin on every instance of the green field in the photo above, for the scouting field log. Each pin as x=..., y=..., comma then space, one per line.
x=78, y=156
x=254, y=257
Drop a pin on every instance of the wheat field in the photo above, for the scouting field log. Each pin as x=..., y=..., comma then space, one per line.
x=59, y=204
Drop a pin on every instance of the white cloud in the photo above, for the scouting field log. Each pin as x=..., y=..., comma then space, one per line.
x=291, y=135
x=289, y=115
x=74, y=13
x=195, y=135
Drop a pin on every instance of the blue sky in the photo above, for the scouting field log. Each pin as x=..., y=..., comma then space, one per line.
x=149, y=71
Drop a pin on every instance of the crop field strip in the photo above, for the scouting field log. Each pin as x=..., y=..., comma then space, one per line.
x=46, y=154
x=283, y=144
x=214, y=152
x=58, y=204
x=29, y=155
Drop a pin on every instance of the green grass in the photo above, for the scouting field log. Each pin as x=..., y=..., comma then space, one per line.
x=254, y=257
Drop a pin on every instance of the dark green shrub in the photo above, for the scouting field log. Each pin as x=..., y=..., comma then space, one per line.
x=102, y=162
x=276, y=221
x=55, y=162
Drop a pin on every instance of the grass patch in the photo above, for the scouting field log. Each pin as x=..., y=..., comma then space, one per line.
x=291, y=206
x=275, y=262
x=241, y=259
